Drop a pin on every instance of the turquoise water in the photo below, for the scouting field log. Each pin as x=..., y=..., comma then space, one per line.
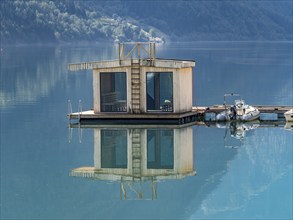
x=38, y=153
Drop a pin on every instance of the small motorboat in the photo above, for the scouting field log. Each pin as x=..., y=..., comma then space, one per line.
x=289, y=115
x=238, y=111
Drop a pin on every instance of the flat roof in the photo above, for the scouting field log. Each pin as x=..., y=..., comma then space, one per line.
x=160, y=63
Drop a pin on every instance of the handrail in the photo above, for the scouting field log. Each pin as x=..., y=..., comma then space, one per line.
x=150, y=51
x=69, y=108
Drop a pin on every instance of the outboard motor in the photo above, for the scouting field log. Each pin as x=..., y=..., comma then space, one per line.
x=232, y=114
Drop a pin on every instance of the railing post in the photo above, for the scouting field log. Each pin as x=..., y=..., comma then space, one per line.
x=69, y=109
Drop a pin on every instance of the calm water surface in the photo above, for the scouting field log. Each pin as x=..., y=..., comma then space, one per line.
x=198, y=174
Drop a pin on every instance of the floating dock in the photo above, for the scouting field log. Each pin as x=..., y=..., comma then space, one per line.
x=262, y=108
x=197, y=114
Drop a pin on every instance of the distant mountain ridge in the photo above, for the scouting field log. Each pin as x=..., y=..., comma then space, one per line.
x=25, y=21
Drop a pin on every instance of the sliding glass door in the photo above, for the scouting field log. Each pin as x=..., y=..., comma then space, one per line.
x=160, y=91
x=113, y=92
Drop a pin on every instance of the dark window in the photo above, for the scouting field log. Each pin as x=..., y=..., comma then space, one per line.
x=113, y=92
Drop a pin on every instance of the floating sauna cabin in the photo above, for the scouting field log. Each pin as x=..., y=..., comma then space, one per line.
x=140, y=87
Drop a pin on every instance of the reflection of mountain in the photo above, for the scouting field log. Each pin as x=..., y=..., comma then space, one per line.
x=263, y=160
x=139, y=157
x=240, y=67
x=28, y=73
x=31, y=72
x=284, y=95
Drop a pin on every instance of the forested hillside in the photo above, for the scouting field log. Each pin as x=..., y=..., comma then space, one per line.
x=26, y=21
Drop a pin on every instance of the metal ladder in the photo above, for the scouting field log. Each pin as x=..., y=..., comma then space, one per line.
x=135, y=87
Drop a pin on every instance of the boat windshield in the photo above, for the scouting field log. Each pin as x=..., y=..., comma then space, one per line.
x=239, y=104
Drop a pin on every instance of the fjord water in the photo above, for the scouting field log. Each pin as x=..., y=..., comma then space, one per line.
x=251, y=181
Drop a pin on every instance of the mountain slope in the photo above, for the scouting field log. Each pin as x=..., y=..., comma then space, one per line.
x=218, y=20
x=67, y=21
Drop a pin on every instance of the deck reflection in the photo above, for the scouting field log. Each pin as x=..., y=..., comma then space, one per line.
x=140, y=157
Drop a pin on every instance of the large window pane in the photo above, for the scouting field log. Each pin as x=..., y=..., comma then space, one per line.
x=113, y=92
x=160, y=149
x=114, y=148
x=160, y=91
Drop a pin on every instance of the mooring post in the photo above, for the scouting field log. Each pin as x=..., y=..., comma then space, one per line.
x=152, y=52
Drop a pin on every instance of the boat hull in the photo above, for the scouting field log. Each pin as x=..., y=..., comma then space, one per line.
x=229, y=116
x=251, y=116
x=289, y=115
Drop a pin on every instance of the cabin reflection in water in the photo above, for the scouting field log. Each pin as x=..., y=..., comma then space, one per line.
x=139, y=157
